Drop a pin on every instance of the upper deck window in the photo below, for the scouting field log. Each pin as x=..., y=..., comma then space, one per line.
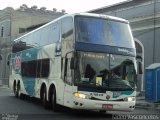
x=103, y=31
x=67, y=28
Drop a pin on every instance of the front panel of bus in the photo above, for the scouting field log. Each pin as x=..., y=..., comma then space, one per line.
x=105, y=64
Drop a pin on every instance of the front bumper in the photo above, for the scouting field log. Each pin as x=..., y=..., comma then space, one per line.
x=79, y=103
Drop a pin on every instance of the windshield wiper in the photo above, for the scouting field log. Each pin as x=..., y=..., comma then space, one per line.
x=97, y=84
x=127, y=86
x=119, y=86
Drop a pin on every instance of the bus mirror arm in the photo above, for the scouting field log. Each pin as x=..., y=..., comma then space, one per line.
x=65, y=69
x=72, y=65
x=72, y=62
x=139, y=64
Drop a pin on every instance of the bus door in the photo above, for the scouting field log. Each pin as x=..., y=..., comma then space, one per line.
x=68, y=73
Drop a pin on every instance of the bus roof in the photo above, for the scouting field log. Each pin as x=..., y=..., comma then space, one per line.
x=75, y=14
x=102, y=16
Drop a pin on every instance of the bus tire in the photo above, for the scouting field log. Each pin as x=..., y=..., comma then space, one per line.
x=14, y=88
x=44, y=99
x=18, y=93
x=22, y=96
x=102, y=111
x=53, y=102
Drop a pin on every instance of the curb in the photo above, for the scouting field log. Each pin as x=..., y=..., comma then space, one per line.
x=4, y=86
x=148, y=105
x=144, y=107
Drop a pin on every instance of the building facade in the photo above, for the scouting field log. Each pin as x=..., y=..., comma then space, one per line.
x=15, y=23
x=144, y=18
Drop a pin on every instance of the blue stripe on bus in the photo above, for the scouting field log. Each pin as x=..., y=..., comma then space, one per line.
x=26, y=55
x=105, y=49
x=29, y=85
x=30, y=54
x=115, y=95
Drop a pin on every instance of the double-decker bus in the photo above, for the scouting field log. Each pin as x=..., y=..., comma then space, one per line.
x=81, y=61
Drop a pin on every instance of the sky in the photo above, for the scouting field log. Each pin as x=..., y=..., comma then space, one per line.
x=70, y=6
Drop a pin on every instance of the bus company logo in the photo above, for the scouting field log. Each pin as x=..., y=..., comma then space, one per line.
x=17, y=63
x=124, y=51
x=28, y=55
x=116, y=94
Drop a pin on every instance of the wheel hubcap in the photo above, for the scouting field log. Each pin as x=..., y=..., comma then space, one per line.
x=53, y=100
x=19, y=93
x=44, y=97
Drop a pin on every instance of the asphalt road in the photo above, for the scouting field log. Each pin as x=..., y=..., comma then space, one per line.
x=12, y=108
x=32, y=109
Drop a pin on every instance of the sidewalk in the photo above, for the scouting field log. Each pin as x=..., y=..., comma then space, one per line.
x=142, y=103
x=3, y=86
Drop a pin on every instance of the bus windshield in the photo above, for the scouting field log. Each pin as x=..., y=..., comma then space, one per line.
x=106, y=70
x=103, y=31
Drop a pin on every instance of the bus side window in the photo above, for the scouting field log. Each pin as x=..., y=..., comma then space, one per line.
x=65, y=68
x=67, y=35
x=45, y=65
x=67, y=28
x=38, y=69
x=68, y=76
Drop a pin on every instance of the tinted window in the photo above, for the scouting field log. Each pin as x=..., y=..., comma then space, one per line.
x=103, y=31
x=36, y=68
x=29, y=69
x=54, y=33
x=67, y=29
x=44, y=36
x=47, y=35
x=19, y=46
x=2, y=31
x=138, y=48
x=45, y=68
x=67, y=35
x=106, y=70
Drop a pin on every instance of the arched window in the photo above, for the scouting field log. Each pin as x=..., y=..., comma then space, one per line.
x=138, y=48
x=2, y=31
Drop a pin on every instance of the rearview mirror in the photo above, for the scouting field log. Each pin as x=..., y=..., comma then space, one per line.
x=140, y=67
x=139, y=64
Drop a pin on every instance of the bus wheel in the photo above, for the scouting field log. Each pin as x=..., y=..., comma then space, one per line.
x=18, y=92
x=54, y=103
x=14, y=89
x=44, y=99
x=102, y=111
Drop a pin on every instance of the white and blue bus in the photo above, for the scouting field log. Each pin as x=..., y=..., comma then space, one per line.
x=81, y=61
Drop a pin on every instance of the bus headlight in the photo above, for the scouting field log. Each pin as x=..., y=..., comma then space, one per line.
x=129, y=99
x=80, y=95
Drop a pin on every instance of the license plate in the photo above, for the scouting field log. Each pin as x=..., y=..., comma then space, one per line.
x=107, y=106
